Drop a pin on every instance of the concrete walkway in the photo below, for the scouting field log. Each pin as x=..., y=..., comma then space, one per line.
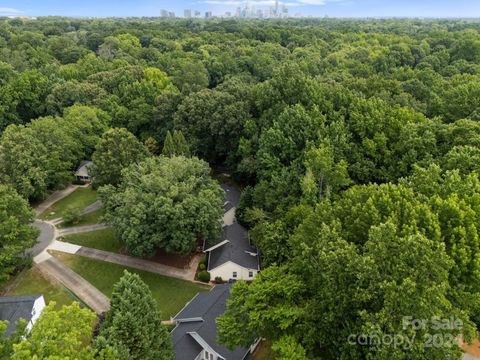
x=136, y=263
x=54, y=197
x=470, y=357
x=85, y=291
x=97, y=205
x=82, y=229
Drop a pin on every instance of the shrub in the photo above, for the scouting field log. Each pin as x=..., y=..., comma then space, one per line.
x=203, y=261
x=202, y=267
x=219, y=280
x=71, y=216
x=204, y=276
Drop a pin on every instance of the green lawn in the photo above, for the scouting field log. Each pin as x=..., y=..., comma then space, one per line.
x=32, y=282
x=87, y=219
x=171, y=294
x=101, y=239
x=80, y=199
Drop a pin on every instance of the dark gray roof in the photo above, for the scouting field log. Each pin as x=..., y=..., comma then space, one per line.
x=232, y=194
x=238, y=249
x=205, y=307
x=14, y=308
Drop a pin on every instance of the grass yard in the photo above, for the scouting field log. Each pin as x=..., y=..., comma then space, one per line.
x=80, y=199
x=32, y=282
x=101, y=239
x=87, y=219
x=171, y=294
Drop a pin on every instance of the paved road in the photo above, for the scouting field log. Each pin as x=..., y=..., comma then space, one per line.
x=85, y=291
x=47, y=235
x=136, y=263
x=82, y=229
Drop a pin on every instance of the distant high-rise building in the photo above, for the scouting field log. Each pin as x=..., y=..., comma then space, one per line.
x=197, y=14
x=163, y=13
x=187, y=13
x=171, y=14
x=208, y=15
x=228, y=14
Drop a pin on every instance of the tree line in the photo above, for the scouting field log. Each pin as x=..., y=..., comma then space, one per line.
x=356, y=143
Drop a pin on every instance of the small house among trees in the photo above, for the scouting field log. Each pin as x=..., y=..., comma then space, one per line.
x=233, y=257
x=83, y=172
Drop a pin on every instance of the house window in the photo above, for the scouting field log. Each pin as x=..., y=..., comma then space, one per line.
x=235, y=274
x=206, y=355
x=250, y=274
x=211, y=356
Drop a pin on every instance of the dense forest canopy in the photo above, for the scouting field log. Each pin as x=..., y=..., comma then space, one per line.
x=357, y=143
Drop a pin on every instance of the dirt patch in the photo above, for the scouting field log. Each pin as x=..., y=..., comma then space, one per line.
x=472, y=349
x=175, y=260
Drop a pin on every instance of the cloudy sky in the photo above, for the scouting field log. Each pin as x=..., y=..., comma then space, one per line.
x=340, y=8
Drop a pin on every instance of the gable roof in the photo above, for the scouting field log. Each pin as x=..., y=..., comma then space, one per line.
x=237, y=250
x=191, y=336
x=14, y=308
x=83, y=169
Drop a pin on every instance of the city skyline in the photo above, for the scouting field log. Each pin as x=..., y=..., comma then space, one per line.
x=316, y=8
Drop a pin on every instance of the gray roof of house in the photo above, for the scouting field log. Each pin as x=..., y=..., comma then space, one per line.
x=238, y=249
x=14, y=308
x=83, y=168
x=232, y=194
x=203, y=310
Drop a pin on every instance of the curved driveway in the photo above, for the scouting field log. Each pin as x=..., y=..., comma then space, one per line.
x=47, y=235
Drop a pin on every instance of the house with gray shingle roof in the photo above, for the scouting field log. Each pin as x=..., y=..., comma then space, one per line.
x=233, y=257
x=14, y=308
x=195, y=334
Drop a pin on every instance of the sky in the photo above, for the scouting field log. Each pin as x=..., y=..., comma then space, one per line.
x=332, y=8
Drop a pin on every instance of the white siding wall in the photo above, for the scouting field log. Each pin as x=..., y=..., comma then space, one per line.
x=226, y=270
x=36, y=311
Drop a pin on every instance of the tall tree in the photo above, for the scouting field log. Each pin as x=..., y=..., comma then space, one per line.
x=16, y=233
x=133, y=322
x=168, y=203
x=116, y=150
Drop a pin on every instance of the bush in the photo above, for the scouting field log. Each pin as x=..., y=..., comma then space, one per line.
x=203, y=261
x=71, y=216
x=202, y=267
x=219, y=280
x=204, y=276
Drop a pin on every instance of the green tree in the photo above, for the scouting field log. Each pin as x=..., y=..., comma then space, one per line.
x=175, y=145
x=168, y=203
x=65, y=333
x=134, y=323
x=23, y=162
x=116, y=150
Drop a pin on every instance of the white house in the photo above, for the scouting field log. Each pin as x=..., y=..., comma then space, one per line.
x=195, y=334
x=14, y=308
x=83, y=172
x=233, y=257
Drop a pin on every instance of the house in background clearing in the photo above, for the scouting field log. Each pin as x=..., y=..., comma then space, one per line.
x=233, y=257
x=14, y=308
x=195, y=334
x=83, y=172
